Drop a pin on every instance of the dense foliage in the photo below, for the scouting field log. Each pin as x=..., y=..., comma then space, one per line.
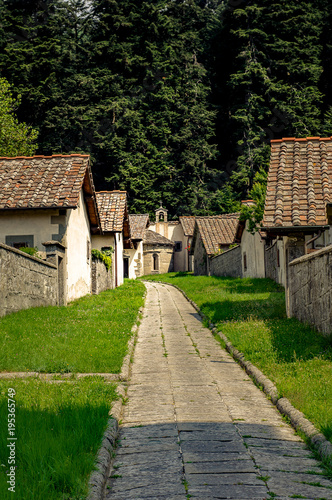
x=175, y=100
x=15, y=138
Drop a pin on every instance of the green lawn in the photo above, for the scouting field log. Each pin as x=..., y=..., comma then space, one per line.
x=59, y=427
x=89, y=335
x=251, y=313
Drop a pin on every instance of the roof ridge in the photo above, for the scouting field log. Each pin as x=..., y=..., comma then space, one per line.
x=114, y=191
x=43, y=156
x=301, y=139
x=141, y=215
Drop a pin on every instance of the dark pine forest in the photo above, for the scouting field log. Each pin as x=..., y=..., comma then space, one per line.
x=175, y=100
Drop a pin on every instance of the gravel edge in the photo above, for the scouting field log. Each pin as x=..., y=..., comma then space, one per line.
x=105, y=455
x=296, y=417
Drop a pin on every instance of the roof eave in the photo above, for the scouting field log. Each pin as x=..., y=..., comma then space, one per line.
x=91, y=201
x=287, y=229
x=50, y=207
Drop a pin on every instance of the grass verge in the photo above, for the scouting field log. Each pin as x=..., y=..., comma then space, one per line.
x=251, y=313
x=89, y=335
x=59, y=427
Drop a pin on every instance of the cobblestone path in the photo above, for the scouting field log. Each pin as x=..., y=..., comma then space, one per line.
x=195, y=425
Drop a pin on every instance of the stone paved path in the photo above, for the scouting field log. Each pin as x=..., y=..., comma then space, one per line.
x=195, y=424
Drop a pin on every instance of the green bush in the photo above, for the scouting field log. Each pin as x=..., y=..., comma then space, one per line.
x=104, y=255
x=30, y=250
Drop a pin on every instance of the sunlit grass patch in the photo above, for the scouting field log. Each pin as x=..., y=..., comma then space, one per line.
x=59, y=427
x=89, y=335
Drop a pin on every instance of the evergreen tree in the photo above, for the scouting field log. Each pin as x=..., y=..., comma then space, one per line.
x=148, y=88
x=272, y=68
x=158, y=144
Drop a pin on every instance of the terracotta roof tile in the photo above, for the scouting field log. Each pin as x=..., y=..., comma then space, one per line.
x=217, y=230
x=42, y=181
x=112, y=207
x=188, y=224
x=152, y=238
x=299, y=182
x=138, y=223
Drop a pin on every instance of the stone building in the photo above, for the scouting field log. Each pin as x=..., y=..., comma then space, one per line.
x=115, y=235
x=49, y=202
x=212, y=235
x=158, y=253
x=180, y=233
x=298, y=207
x=188, y=225
x=134, y=267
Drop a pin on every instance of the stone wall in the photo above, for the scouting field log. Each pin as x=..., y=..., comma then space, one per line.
x=25, y=281
x=101, y=279
x=200, y=257
x=271, y=259
x=310, y=289
x=164, y=255
x=228, y=263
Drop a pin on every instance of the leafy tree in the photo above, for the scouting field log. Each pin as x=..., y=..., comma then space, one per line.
x=16, y=139
x=254, y=214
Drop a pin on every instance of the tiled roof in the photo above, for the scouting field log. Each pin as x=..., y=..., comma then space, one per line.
x=138, y=223
x=40, y=182
x=112, y=207
x=299, y=182
x=188, y=224
x=217, y=230
x=152, y=238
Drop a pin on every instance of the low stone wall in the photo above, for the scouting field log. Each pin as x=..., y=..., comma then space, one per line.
x=310, y=289
x=101, y=279
x=25, y=281
x=228, y=263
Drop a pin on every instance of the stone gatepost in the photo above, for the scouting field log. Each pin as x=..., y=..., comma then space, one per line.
x=56, y=254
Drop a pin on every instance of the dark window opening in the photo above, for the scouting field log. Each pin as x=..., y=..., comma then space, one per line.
x=245, y=261
x=278, y=258
x=178, y=246
x=155, y=262
x=20, y=241
x=126, y=267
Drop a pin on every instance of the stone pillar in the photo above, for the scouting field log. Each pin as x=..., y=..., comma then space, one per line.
x=56, y=254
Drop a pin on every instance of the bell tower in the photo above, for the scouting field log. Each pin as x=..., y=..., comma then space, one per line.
x=161, y=221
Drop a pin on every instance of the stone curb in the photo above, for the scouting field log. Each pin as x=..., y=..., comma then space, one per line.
x=103, y=463
x=64, y=377
x=297, y=419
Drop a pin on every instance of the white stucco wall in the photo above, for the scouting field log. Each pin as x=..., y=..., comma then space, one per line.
x=99, y=241
x=29, y=222
x=78, y=242
x=119, y=257
x=114, y=240
x=176, y=233
x=253, y=247
x=135, y=260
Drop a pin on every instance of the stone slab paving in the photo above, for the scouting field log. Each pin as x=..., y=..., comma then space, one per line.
x=195, y=425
